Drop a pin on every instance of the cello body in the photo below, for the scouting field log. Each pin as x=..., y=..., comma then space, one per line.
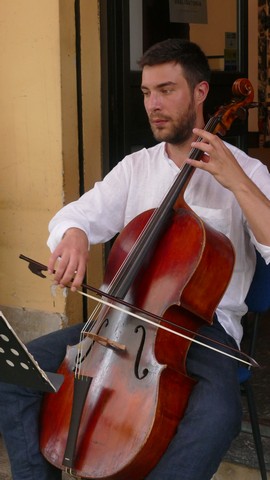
x=136, y=395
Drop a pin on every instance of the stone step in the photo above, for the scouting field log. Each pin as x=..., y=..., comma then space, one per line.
x=230, y=471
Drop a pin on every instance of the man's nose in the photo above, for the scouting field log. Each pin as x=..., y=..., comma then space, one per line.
x=153, y=102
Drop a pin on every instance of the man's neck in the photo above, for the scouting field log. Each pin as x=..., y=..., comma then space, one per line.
x=178, y=153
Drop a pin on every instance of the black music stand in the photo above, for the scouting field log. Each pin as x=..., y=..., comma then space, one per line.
x=19, y=367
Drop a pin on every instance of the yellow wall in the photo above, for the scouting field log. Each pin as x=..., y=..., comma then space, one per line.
x=38, y=125
x=31, y=165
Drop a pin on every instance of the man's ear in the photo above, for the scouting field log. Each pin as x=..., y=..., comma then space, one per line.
x=201, y=91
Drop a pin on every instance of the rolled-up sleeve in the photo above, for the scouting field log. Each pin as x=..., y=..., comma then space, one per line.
x=99, y=212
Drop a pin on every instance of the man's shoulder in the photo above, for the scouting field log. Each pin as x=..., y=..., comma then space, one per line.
x=144, y=162
x=144, y=152
x=247, y=162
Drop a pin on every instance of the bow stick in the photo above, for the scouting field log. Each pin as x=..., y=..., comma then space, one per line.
x=38, y=269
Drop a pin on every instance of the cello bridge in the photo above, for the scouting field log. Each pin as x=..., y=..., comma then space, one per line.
x=105, y=342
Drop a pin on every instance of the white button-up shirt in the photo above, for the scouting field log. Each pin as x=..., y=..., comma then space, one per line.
x=139, y=182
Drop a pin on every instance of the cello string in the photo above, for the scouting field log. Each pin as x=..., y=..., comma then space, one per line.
x=92, y=322
x=104, y=302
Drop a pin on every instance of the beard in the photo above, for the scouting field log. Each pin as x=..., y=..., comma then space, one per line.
x=179, y=131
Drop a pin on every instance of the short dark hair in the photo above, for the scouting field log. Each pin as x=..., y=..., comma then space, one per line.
x=188, y=54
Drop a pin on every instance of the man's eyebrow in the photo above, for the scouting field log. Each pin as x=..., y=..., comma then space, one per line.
x=160, y=85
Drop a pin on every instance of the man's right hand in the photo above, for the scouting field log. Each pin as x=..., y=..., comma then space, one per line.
x=69, y=259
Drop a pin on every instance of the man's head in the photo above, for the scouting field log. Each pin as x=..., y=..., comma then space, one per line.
x=187, y=54
x=175, y=76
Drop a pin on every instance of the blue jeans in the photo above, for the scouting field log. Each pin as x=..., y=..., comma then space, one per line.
x=212, y=419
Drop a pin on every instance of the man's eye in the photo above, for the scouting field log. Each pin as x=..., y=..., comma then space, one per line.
x=166, y=91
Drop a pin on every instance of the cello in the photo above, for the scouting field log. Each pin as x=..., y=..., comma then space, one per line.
x=123, y=368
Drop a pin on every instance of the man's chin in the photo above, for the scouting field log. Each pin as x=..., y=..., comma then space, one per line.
x=163, y=135
x=159, y=135
x=163, y=138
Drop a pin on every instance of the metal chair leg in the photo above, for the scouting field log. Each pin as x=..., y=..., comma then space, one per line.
x=255, y=428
